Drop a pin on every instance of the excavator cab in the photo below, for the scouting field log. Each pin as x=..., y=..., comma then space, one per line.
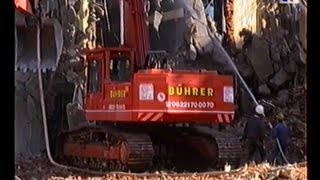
x=116, y=63
x=51, y=39
x=109, y=80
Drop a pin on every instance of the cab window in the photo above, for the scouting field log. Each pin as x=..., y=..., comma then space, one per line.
x=94, y=76
x=119, y=70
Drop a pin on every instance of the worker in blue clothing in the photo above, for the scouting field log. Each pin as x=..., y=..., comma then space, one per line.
x=281, y=132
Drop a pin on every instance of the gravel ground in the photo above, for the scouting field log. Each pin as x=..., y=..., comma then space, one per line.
x=38, y=167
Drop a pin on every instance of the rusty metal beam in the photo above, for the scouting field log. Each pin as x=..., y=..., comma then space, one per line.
x=229, y=17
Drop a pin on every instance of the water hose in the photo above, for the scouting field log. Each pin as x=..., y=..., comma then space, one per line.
x=250, y=93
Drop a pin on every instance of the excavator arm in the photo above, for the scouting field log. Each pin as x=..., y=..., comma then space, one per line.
x=51, y=38
x=23, y=6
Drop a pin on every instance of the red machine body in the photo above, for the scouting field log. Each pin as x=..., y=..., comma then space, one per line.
x=152, y=95
x=156, y=95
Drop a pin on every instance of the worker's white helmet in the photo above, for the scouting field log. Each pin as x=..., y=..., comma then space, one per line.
x=259, y=109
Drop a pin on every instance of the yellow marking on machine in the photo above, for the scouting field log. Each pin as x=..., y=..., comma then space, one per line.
x=190, y=91
x=118, y=94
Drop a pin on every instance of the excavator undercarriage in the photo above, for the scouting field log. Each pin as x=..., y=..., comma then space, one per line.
x=104, y=149
x=110, y=148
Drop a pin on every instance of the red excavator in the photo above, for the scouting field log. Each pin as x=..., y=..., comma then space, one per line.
x=141, y=117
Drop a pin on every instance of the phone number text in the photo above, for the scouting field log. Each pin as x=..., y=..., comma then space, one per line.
x=189, y=104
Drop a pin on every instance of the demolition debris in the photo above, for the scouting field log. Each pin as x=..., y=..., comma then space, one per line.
x=40, y=168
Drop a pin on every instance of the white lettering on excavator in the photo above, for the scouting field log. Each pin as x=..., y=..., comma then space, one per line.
x=117, y=107
x=190, y=104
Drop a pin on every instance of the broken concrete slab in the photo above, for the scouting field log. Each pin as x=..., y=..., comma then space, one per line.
x=258, y=55
x=167, y=16
x=190, y=21
x=303, y=26
x=283, y=96
x=279, y=79
x=273, y=22
x=264, y=89
x=275, y=52
x=28, y=127
x=32, y=86
x=157, y=20
x=245, y=103
x=301, y=55
x=28, y=122
x=76, y=117
x=203, y=45
x=199, y=36
x=211, y=25
x=245, y=70
x=21, y=77
x=195, y=9
x=276, y=66
x=284, y=52
x=201, y=30
x=291, y=67
x=192, y=52
x=72, y=77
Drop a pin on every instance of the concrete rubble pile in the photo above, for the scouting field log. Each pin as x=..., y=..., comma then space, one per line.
x=272, y=62
x=40, y=168
x=274, y=65
x=203, y=42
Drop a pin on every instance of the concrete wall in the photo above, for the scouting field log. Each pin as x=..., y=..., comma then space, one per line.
x=245, y=16
x=251, y=14
x=29, y=139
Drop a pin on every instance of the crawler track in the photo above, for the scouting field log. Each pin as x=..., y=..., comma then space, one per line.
x=230, y=150
x=103, y=149
x=111, y=149
x=196, y=150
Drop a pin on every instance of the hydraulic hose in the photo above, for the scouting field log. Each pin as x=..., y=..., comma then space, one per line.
x=43, y=110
